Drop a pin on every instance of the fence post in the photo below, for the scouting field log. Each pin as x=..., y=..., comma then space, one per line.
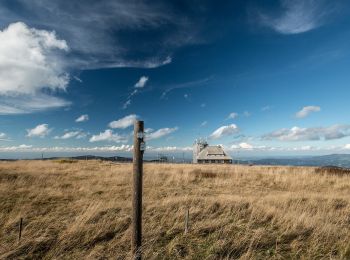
x=20, y=230
x=187, y=216
x=139, y=147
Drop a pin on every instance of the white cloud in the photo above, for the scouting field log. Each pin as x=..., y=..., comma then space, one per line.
x=4, y=137
x=247, y=114
x=30, y=62
x=263, y=148
x=128, y=148
x=39, y=131
x=298, y=16
x=309, y=134
x=266, y=108
x=71, y=134
x=126, y=104
x=124, y=122
x=190, y=84
x=169, y=149
x=15, y=148
x=82, y=118
x=232, y=115
x=139, y=85
x=108, y=136
x=30, y=148
x=347, y=147
x=160, y=133
x=245, y=146
x=142, y=82
x=90, y=36
x=305, y=111
x=78, y=79
x=204, y=123
x=225, y=130
x=112, y=148
x=24, y=104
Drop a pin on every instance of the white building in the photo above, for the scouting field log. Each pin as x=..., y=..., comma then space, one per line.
x=204, y=153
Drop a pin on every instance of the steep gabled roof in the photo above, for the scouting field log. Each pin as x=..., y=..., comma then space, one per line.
x=213, y=153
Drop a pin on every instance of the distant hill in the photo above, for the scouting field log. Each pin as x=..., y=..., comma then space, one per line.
x=339, y=160
x=112, y=158
x=93, y=157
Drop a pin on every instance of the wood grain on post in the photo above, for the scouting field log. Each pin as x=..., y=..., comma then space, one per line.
x=137, y=190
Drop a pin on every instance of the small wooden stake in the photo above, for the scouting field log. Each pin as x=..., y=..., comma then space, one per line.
x=20, y=230
x=187, y=216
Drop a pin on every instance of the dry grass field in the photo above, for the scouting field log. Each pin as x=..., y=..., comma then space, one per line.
x=81, y=210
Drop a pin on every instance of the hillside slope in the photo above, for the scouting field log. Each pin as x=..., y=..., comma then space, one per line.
x=81, y=210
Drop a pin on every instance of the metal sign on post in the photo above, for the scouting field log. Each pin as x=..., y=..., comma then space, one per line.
x=139, y=147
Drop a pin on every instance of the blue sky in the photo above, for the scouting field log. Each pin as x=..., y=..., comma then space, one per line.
x=261, y=79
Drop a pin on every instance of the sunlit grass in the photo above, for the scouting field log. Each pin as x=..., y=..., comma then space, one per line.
x=82, y=211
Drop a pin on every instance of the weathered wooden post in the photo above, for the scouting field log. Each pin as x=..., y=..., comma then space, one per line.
x=20, y=230
x=139, y=147
x=187, y=216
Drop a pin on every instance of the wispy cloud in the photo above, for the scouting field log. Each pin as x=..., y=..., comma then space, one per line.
x=31, y=103
x=72, y=134
x=225, y=130
x=169, y=149
x=36, y=62
x=94, y=36
x=297, y=16
x=126, y=104
x=309, y=134
x=247, y=114
x=140, y=84
x=78, y=79
x=266, y=108
x=190, y=84
x=160, y=133
x=204, y=123
x=263, y=148
x=124, y=122
x=235, y=115
x=305, y=111
x=82, y=118
x=4, y=137
x=232, y=115
x=39, y=131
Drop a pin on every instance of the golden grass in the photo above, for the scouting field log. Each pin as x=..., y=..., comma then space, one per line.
x=82, y=211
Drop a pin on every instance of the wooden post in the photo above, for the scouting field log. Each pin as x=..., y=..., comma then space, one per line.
x=187, y=216
x=139, y=147
x=20, y=230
